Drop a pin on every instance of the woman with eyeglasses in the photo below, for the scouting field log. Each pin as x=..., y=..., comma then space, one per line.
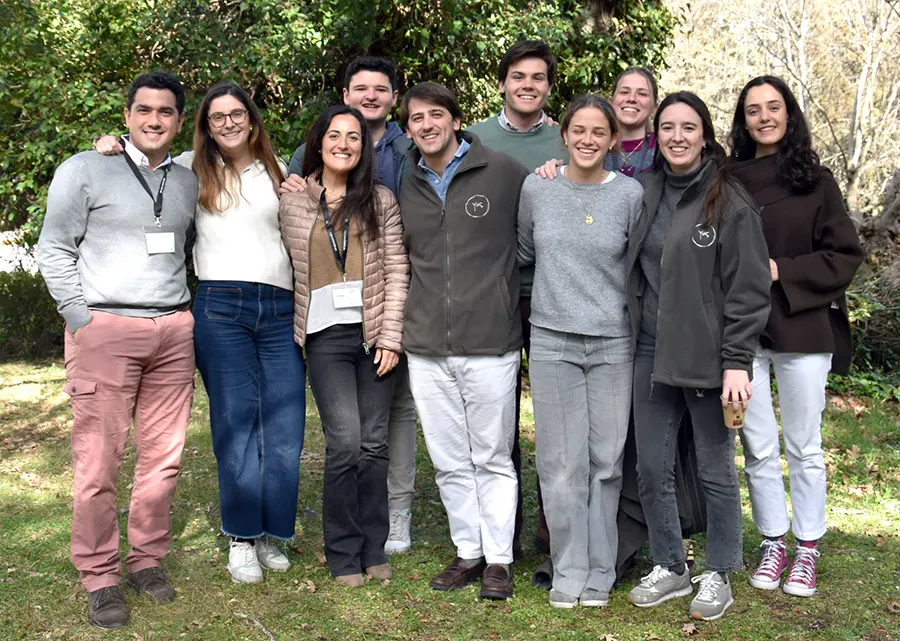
x=253, y=371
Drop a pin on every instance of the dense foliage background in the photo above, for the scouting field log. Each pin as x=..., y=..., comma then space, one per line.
x=65, y=64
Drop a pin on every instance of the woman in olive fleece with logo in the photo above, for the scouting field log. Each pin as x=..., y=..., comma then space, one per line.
x=698, y=292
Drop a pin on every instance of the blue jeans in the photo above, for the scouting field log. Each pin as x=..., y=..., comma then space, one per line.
x=658, y=412
x=255, y=378
x=354, y=405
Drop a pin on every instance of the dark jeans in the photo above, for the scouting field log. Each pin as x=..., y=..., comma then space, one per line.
x=354, y=405
x=657, y=418
x=542, y=532
x=255, y=379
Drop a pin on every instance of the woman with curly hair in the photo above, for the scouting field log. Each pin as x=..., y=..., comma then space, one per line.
x=814, y=253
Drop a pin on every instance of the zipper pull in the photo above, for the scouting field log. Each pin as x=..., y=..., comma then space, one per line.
x=366, y=348
x=441, y=224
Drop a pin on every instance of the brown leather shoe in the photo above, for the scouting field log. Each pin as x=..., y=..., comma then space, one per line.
x=152, y=583
x=106, y=608
x=497, y=582
x=456, y=575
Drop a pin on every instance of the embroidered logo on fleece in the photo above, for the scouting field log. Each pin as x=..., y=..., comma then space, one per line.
x=478, y=206
x=703, y=236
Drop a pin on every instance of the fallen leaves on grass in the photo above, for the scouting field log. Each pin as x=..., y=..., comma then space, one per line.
x=861, y=490
x=894, y=607
x=688, y=629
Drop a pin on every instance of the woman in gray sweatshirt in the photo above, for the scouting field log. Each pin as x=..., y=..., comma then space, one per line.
x=575, y=231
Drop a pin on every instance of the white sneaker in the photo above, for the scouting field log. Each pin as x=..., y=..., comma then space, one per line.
x=399, y=540
x=713, y=597
x=243, y=564
x=269, y=556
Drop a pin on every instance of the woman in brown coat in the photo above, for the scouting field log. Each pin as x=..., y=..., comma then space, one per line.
x=813, y=254
x=351, y=276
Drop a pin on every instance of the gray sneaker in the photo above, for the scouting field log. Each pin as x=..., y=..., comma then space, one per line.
x=659, y=586
x=562, y=600
x=713, y=598
x=591, y=598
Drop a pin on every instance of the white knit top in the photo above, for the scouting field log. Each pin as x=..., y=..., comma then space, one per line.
x=243, y=242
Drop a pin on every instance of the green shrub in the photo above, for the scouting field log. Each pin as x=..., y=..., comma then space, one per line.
x=30, y=326
x=874, y=306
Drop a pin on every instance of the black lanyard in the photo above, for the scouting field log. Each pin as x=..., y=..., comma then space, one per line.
x=340, y=256
x=158, y=201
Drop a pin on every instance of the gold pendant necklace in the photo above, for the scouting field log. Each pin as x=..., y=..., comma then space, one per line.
x=627, y=157
x=589, y=210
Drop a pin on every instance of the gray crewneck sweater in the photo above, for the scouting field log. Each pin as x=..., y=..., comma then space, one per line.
x=579, y=281
x=651, y=253
x=92, y=251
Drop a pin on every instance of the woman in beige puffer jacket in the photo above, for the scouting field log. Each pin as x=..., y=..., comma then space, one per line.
x=351, y=275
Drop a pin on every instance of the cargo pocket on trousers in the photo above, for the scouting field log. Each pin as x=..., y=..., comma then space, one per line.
x=85, y=407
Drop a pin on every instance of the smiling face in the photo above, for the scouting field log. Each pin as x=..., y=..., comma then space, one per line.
x=153, y=122
x=432, y=129
x=527, y=87
x=589, y=138
x=232, y=138
x=633, y=101
x=680, y=137
x=766, y=118
x=371, y=94
x=342, y=144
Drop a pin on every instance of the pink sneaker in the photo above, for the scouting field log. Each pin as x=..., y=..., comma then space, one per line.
x=801, y=579
x=772, y=565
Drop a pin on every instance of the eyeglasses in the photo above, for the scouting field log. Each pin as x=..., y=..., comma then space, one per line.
x=238, y=116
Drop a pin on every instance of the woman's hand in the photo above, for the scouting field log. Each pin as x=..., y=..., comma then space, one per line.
x=107, y=145
x=548, y=169
x=736, y=388
x=773, y=267
x=292, y=184
x=386, y=360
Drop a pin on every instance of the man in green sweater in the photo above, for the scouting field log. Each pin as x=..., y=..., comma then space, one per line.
x=525, y=79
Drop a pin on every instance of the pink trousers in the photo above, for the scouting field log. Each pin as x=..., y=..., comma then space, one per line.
x=121, y=369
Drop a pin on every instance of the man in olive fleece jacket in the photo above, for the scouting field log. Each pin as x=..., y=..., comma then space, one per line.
x=462, y=331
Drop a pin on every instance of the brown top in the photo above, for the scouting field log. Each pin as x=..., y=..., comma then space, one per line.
x=323, y=268
x=386, y=265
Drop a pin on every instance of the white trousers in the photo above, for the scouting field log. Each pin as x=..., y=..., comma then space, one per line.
x=467, y=408
x=801, y=382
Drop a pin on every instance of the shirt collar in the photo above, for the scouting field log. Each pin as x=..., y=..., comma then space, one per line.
x=508, y=126
x=138, y=156
x=463, y=148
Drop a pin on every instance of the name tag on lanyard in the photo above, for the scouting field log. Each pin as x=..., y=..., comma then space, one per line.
x=160, y=240
x=346, y=295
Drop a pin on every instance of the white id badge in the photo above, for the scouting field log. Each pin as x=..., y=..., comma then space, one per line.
x=346, y=295
x=159, y=241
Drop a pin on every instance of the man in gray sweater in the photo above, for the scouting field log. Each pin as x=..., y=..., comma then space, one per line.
x=112, y=252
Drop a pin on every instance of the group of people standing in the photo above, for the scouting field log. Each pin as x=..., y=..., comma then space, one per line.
x=651, y=277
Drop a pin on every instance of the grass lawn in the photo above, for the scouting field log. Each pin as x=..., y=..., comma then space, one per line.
x=40, y=598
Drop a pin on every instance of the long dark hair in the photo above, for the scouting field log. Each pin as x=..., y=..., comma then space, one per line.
x=797, y=162
x=712, y=150
x=213, y=180
x=360, y=199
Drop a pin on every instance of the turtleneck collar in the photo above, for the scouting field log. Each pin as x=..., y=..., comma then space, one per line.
x=682, y=181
